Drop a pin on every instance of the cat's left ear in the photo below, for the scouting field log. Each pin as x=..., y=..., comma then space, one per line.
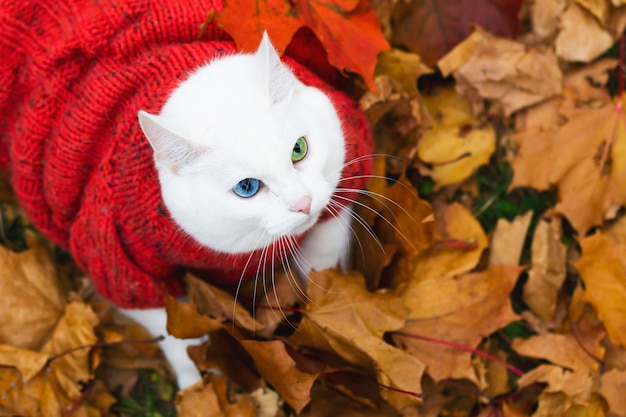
x=279, y=79
x=170, y=149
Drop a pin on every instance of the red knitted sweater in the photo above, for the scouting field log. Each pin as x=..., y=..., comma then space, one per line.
x=73, y=74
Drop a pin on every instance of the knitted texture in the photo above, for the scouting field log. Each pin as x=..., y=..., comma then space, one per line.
x=73, y=75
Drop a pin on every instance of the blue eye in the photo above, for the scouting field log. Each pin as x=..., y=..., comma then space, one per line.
x=247, y=188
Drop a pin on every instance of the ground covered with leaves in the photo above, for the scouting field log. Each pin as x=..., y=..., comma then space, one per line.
x=490, y=263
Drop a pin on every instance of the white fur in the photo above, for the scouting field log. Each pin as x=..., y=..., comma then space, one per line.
x=239, y=117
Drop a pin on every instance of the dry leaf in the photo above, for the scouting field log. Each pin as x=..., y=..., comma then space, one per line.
x=460, y=311
x=211, y=400
x=502, y=70
x=575, y=157
x=456, y=144
x=278, y=368
x=602, y=268
x=184, y=321
x=547, y=271
x=218, y=304
x=613, y=387
x=344, y=318
x=581, y=37
x=32, y=297
x=508, y=240
x=445, y=258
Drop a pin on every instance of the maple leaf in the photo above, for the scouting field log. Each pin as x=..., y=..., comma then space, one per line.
x=548, y=270
x=502, y=70
x=348, y=29
x=602, y=267
x=455, y=145
x=344, y=318
x=575, y=157
x=461, y=310
x=432, y=28
x=32, y=300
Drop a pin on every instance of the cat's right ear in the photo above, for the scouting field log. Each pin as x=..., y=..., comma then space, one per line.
x=170, y=149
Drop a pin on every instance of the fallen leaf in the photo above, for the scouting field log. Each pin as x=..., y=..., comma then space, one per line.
x=508, y=240
x=502, y=70
x=443, y=258
x=219, y=304
x=403, y=67
x=432, y=28
x=548, y=269
x=32, y=297
x=184, y=321
x=576, y=157
x=558, y=349
x=279, y=369
x=458, y=313
x=456, y=144
x=577, y=384
x=613, y=387
x=348, y=29
x=581, y=37
x=211, y=400
x=544, y=16
x=588, y=83
x=27, y=362
x=344, y=318
x=68, y=366
x=602, y=267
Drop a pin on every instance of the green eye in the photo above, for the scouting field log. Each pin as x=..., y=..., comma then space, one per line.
x=299, y=150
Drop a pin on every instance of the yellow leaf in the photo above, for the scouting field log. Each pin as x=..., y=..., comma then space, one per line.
x=602, y=267
x=508, y=240
x=456, y=145
x=344, y=318
x=547, y=271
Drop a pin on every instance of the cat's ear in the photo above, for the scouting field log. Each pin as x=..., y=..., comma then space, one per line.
x=279, y=79
x=170, y=149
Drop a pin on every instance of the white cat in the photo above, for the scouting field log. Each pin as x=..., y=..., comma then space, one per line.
x=247, y=155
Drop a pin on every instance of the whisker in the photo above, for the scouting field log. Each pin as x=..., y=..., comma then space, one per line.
x=243, y=274
x=365, y=226
x=369, y=156
x=389, y=222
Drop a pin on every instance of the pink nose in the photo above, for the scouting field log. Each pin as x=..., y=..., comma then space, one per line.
x=303, y=205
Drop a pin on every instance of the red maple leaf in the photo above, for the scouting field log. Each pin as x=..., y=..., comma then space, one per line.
x=431, y=28
x=348, y=29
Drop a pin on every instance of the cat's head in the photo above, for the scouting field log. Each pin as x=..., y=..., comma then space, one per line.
x=245, y=152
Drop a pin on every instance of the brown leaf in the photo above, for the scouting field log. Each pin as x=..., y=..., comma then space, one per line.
x=581, y=37
x=32, y=297
x=218, y=304
x=586, y=158
x=279, y=369
x=459, y=310
x=602, y=267
x=613, y=387
x=184, y=321
x=502, y=70
x=344, y=318
x=56, y=387
x=508, y=240
x=432, y=28
x=444, y=258
x=210, y=400
x=547, y=271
